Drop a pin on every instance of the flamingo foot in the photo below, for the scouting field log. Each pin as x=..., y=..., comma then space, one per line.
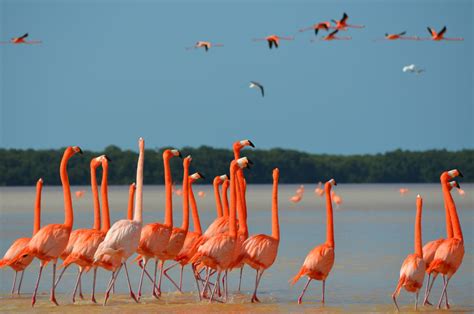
x=132, y=295
x=156, y=293
x=53, y=300
x=427, y=303
x=93, y=299
x=33, y=301
x=107, y=295
x=81, y=295
x=300, y=300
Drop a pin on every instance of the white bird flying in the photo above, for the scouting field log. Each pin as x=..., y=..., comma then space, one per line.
x=412, y=69
x=255, y=85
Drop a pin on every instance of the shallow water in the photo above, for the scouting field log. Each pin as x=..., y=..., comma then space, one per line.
x=373, y=234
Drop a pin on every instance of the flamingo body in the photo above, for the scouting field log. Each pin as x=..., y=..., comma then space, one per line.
x=318, y=263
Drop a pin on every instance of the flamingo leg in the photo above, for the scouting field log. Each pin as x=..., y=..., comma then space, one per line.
x=60, y=276
x=171, y=279
x=240, y=278
x=156, y=291
x=226, y=287
x=416, y=300
x=14, y=282
x=257, y=283
x=397, y=291
x=19, y=284
x=446, y=293
x=132, y=295
x=215, y=286
x=197, y=281
x=111, y=284
x=143, y=266
x=80, y=289
x=425, y=302
x=324, y=289
x=181, y=279
x=93, y=286
x=53, y=287
x=33, y=299
x=300, y=298
x=206, y=284
x=78, y=280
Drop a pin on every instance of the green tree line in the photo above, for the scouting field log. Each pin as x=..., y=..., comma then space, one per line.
x=24, y=167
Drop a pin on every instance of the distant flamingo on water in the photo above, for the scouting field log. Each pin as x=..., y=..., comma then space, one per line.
x=260, y=251
x=403, y=191
x=49, y=242
x=319, y=190
x=12, y=257
x=80, y=194
x=123, y=237
x=273, y=40
x=450, y=253
x=413, y=268
x=342, y=23
x=320, y=260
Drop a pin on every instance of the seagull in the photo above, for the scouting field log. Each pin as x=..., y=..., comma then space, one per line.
x=412, y=69
x=255, y=85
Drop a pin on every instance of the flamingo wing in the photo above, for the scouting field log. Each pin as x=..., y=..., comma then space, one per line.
x=431, y=31
x=344, y=17
x=443, y=30
x=123, y=236
x=333, y=33
x=24, y=36
x=402, y=33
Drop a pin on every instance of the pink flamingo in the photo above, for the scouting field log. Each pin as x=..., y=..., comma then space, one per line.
x=273, y=40
x=440, y=36
x=49, y=242
x=336, y=198
x=316, y=27
x=342, y=23
x=413, y=268
x=398, y=36
x=80, y=194
x=320, y=260
x=11, y=257
x=204, y=44
x=123, y=237
x=202, y=194
x=332, y=36
x=403, y=191
x=319, y=190
x=260, y=251
x=21, y=40
x=86, y=245
x=155, y=236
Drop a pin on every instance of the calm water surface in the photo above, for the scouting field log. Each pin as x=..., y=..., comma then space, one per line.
x=373, y=234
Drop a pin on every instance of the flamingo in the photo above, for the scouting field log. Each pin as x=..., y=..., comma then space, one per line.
x=429, y=249
x=320, y=260
x=204, y=44
x=260, y=251
x=332, y=36
x=202, y=194
x=440, y=36
x=342, y=23
x=178, y=235
x=218, y=251
x=296, y=198
x=80, y=194
x=319, y=190
x=449, y=255
x=155, y=236
x=86, y=245
x=461, y=192
x=189, y=248
x=78, y=233
x=413, y=268
x=319, y=26
x=122, y=239
x=273, y=40
x=336, y=198
x=398, y=36
x=51, y=240
x=403, y=191
x=11, y=256
x=21, y=40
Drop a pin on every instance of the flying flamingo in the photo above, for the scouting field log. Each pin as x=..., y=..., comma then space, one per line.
x=189, y=248
x=217, y=252
x=48, y=243
x=429, y=249
x=86, y=245
x=178, y=235
x=332, y=36
x=319, y=26
x=273, y=40
x=440, y=36
x=413, y=268
x=21, y=40
x=398, y=36
x=78, y=233
x=320, y=260
x=155, y=236
x=204, y=44
x=449, y=255
x=260, y=251
x=342, y=23
x=123, y=237
x=11, y=256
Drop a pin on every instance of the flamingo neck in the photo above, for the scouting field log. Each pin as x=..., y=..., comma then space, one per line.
x=233, y=200
x=418, y=240
x=37, y=218
x=131, y=194
x=275, y=222
x=457, y=231
x=105, y=198
x=194, y=212
x=243, y=229
x=95, y=196
x=225, y=201
x=329, y=218
x=242, y=188
x=217, y=197
x=185, y=225
x=68, y=211
x=168, y=190
x=448, y=201
x=137, y=213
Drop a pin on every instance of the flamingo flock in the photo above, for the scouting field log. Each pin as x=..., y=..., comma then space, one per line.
x=224, y=246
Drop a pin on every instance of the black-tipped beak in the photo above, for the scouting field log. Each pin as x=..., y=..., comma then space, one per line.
x=201, y=175
x=249, y=162
x=80, y=151
x=458, y=185
x=460, y=174
x=251, y=144
x=335, y=183
x=107, y=157
x=180, y=155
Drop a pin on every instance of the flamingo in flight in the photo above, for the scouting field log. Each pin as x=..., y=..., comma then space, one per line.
x=413, y=268
x=332, y=36
x=316, y=27
x=11, y=256
x=398, y=36
x=440, y=36
x=21, y=40
x=204, y=44
x=273, y=40
x=122, y=239
x=51, y=240
x=342, y=23
x=319, y=261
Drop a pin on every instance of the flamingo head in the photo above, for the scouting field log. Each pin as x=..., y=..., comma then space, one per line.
x=455, y=173
x=276, y=173
x=241, y=144
x=244, y=162
x=168, y=153
x=330, y=184
x=76, y=149
x=187, y=161
x=219, y=179
x=453, y=184
x=39, y=183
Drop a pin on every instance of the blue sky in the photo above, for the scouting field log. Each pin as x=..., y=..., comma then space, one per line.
x=111, y=71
